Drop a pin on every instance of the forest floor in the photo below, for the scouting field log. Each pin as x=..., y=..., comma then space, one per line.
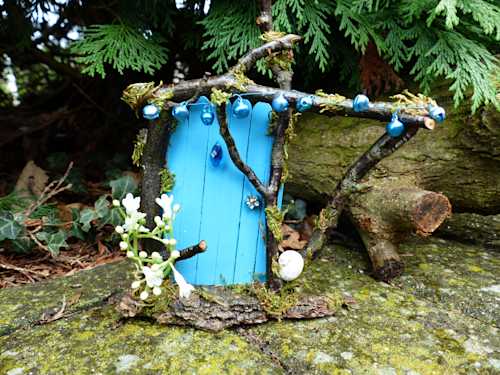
x=440, y=317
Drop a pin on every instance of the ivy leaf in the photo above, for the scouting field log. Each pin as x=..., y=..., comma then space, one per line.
x=22, y=245
x=101, y=207
x=122, y=186
x=76, y=230
x=54, y=241
x=9, y=227
x=113, y=217
x=86, y=217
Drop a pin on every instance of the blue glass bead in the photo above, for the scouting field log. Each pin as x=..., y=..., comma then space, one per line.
x=437, y=113
x=305, y=103
x=360, y=103
x=216, y=154
x=240, y=108
x=180, y=112
x=395, y=127
x=207, y=115
x=150, y=112
x=279, y=103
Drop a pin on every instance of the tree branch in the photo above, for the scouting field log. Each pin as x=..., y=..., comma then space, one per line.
x=235, y=155
x=329, y=216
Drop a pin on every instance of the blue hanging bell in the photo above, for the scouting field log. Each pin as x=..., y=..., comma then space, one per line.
x=241, y=109
x=437, y=113
x=360, y=103
x=150, y=112
x=180, y=112
x=305, y=103
x=279, y=103
x=216, y=154
x=395, y=127
x=207, y=115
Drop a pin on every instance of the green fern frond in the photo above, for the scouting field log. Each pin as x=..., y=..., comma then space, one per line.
x=122, y=46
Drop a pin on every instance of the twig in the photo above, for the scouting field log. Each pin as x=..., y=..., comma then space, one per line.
x=20, y=269
x=329, y=216
x=193, y=250
x=52, y=189
x=235, y=155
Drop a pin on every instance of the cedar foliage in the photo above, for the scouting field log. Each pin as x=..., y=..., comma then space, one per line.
x=434, y=39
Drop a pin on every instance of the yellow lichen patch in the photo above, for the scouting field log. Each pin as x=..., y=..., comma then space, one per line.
x=412, y=104
x=219, y=97
x=136, y=94
x=332, y=103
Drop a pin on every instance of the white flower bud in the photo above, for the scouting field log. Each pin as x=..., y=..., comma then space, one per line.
x=156, y=291
x=155, y=267
x=166, y=241
x=175, y=254
x=124, y=236
x=176, y=207
x=136, y=284
x=123, y=245
x=119, y=229
x=159, y=222
x=143, y=254
x=156, y=255
x=144, y=295
x=116, y=202
x=130, y=254
x=173, y=241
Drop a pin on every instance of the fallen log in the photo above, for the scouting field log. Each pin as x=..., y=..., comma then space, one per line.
x=385, y=216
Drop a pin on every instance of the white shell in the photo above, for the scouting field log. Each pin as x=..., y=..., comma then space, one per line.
x=291, y=265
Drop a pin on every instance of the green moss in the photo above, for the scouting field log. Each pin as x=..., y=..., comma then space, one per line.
x=219, y=97
x=167, y=180
x=274, y=217
x=139, y=144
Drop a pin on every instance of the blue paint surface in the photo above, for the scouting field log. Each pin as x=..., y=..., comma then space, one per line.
x=212, y=197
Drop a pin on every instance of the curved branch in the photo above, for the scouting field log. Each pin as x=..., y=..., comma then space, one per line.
x=329, y=216
x=235, y=155
x=248, y=61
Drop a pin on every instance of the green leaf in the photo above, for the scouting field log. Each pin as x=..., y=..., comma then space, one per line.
x=122, y=186
x=54, y=241
x=9, y=227
x=86, y=217
x=123, y=46
x=22, y=245
x=114, y=217
x=101, y=207
x=76, y=230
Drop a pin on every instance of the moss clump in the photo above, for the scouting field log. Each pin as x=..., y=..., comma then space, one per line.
x=274, y=217
x=325, y=218
x=137, y=94
x=139, y=144
x=289, y=136
x=412, y=104
x=167, y=180
x=275, y=304
x=219, y=97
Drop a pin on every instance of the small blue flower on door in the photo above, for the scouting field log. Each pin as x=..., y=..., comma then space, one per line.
x=218, y=204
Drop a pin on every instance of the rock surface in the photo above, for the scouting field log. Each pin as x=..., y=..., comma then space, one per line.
x=441, y=317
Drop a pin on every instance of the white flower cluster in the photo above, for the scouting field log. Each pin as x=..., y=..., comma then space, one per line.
x=151, y=269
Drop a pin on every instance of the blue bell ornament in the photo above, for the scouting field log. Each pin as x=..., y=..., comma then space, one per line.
x=150, y=112
x=360, y=103
x=279, y=103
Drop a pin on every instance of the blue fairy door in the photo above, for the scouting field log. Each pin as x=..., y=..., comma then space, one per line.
x=218, y=204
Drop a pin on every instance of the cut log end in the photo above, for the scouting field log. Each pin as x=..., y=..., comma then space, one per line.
x=430, y=212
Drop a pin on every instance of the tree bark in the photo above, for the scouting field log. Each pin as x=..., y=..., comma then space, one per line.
x=153, y=161
x=217, y=308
